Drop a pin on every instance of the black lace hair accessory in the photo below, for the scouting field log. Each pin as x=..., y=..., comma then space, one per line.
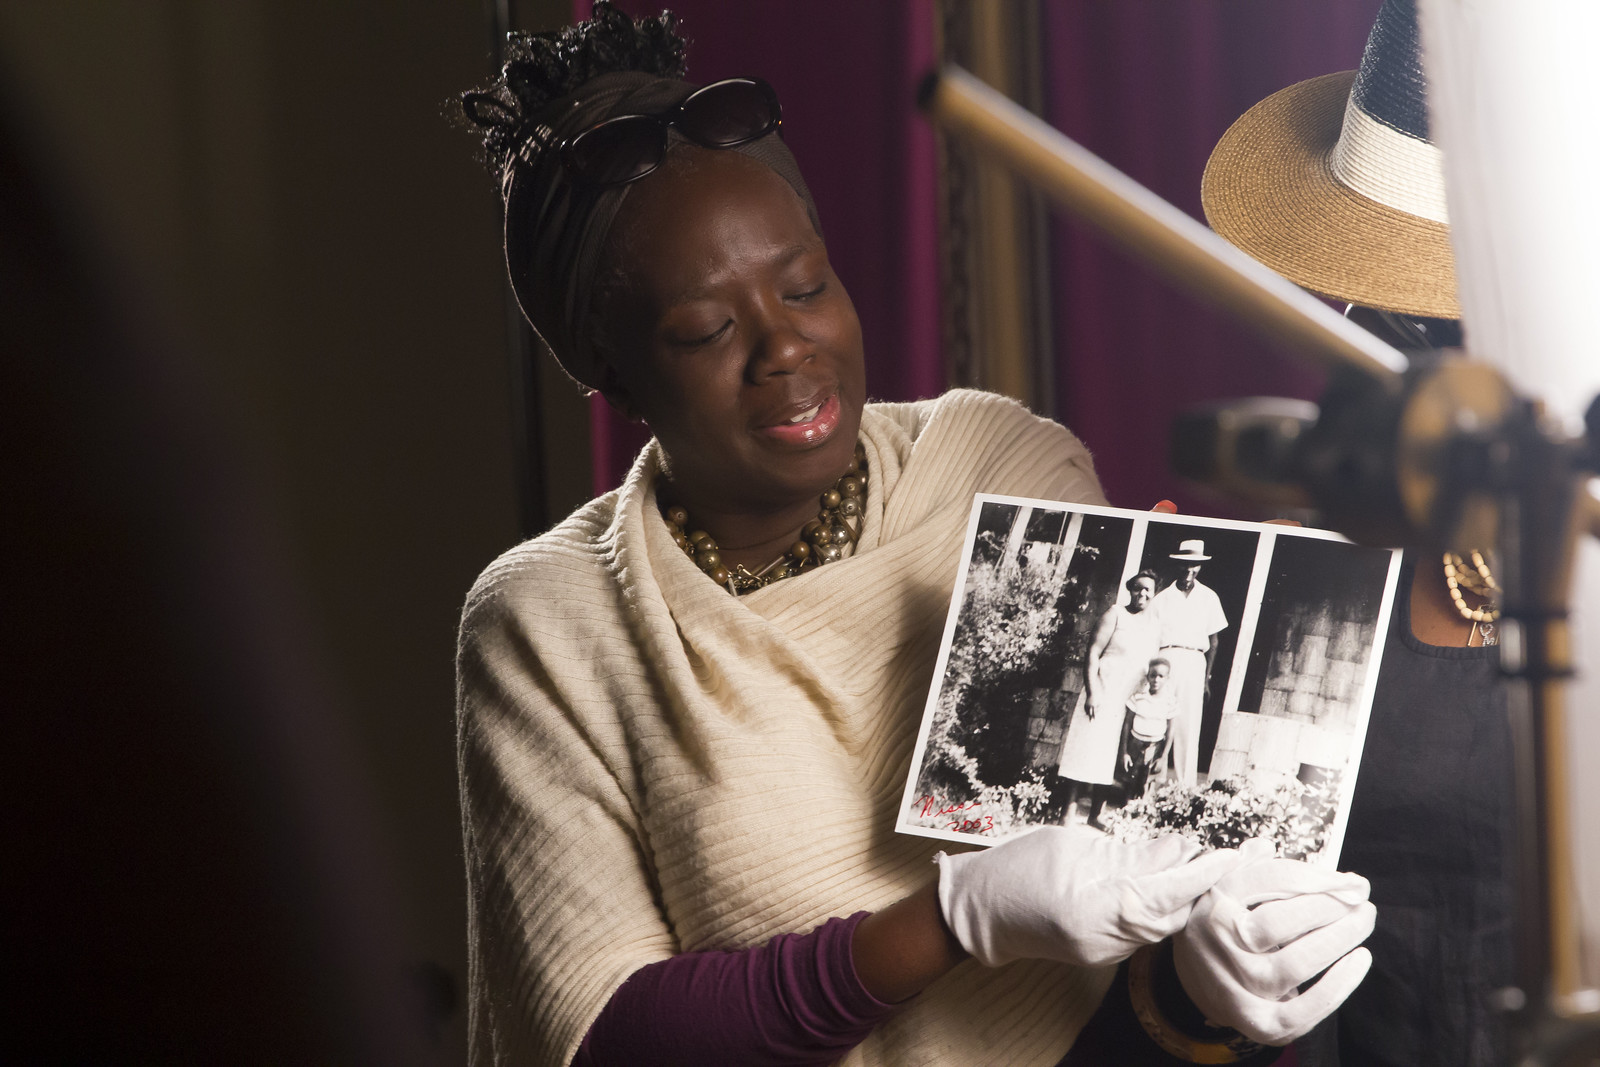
x=555, y=85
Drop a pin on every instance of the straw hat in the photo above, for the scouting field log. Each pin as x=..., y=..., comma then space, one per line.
x=1334, y=184
x=1190, y=551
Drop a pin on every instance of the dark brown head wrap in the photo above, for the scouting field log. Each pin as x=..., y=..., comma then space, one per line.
x=556, y=227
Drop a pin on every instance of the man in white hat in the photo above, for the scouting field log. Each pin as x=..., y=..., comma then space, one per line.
x=1191, y=616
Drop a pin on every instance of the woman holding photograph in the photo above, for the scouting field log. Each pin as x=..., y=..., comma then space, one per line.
x=1125, y=640
x=685, y=714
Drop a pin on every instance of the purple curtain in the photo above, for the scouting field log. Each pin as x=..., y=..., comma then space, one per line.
x=846, y=72
x=1150, y=85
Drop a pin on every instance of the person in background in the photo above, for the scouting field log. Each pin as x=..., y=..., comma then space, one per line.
x=1334, y=183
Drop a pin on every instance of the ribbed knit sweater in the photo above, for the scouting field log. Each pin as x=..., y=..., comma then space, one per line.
x=650, y=765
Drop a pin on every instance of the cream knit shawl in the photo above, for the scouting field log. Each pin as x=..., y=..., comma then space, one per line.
x=652, y=766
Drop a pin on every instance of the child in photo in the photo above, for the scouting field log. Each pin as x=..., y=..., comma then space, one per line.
x=1149, y=724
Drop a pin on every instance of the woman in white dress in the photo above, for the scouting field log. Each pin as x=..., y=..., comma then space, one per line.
x=1125, y=641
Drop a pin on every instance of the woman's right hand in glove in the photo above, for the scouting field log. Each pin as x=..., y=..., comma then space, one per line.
x=1074, y=895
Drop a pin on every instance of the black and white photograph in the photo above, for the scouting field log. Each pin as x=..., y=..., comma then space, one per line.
x=1142, y=673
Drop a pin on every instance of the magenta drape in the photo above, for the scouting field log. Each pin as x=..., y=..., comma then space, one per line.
x=846, y=72
x=1150, y=85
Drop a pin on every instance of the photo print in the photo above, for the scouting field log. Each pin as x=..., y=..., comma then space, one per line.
x=1143, y=674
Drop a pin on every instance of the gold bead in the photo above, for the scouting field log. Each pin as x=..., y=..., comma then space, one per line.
x=822, y=539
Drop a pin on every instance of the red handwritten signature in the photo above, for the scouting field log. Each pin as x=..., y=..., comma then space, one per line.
x=938, y=807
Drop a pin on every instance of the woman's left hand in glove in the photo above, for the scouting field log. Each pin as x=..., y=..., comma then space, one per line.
x=1263, y=932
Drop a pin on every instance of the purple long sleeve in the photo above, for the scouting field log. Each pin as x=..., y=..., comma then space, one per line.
x=792, y=1001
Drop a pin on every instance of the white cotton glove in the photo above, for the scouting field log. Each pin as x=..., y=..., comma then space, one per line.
x=1072, y=894
x=1265, y=929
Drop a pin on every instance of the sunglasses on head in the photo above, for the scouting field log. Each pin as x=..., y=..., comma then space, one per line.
x=625, y=148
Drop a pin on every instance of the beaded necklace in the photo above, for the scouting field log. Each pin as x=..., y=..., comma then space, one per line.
x=1480, y=582
x=828, y=537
